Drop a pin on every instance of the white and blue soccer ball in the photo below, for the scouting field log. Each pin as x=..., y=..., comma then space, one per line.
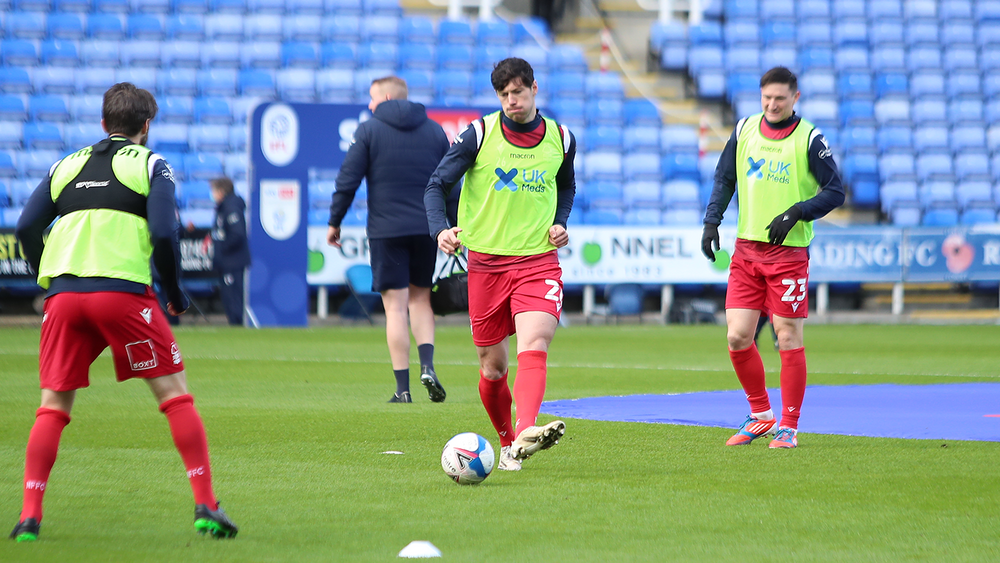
x=468, y=458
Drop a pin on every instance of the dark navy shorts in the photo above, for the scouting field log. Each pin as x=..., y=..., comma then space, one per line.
x=399, y=262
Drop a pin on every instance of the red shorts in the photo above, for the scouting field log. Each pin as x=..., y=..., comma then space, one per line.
x=779, y=288
x=494, y=299
x=77, y=327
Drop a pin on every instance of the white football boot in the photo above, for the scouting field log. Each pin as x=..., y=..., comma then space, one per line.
x=535, y=438
x=507, y=461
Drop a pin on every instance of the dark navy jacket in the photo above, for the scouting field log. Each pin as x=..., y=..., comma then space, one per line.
x=232, y=252
x=397, y=151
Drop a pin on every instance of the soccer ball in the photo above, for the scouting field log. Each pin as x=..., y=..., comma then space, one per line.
x=467, y=458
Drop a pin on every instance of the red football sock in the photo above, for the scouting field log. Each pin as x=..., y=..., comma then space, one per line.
x=529, y=388
x=793, y=386
x=750, y=371
x=497, y=400
x=43, y=445
x=189, y=437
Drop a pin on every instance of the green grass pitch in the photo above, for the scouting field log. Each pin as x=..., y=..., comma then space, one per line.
x=297, y=421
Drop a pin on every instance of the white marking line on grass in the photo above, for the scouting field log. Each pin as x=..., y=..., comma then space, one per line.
x=514, y=364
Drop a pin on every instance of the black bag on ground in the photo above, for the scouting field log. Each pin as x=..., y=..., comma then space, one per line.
x=450, y=292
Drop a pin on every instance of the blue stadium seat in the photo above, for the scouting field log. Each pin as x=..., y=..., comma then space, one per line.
x=642, y=194
x=112, y=6
x=12, y=108
x=602, y=166
x=15, y=80
x=933, y=192
x=302, y=28
x=922, y=33
x=779, y=55
x=341, y=28
x=677, y=193
x=848, y=9
x=968, y=136
x=185, y=27
x=536, y=56
x=884, y=9
x=892, y=110
x=930, y=137
x=934, y=165
x=641, y=139
x=12, y=136
x=224, y=27
x=681, y=165
x=56, y=80
x=978, y=216
x=36, y=163
x=296, y=85
x=202, y=166
x=257, y=83
x=641, y=167
x=343, y=7
x=687, y=215
x=927, y=83
x=894, y=192
x=43, y=136
x=851, y=58
x=21, y=190
x=780, y=32
x=813, y=10
x=572, y=111
x=940, y=216
x=455, y=32
x=743, y=58
x=304, y=7
x=987, y=12
x=417, y=29
x=958, y=33
x=335, y=85
x=603, y=194
x=65, y=26
x=451, y=83
x=418, y=56
x=158, y=7
x=567, y=85
x=735, y=32
x=495, y=32
x=18, y=52
x=222, y=54
x=382, y=7
x=212, y=110
x=100, y=53
x=741, y=8
x=79, y=135
x=641, y=216
x=895, y=138
x=171, y=137
x=262, y=27
x=80, y=6
x=88, y=108
x=8, y=171
x=641, y=112
x=965, y=110
x=974, y=192
x=178, y=82
x=896, y=165
x=857, y=138
x=679, y=138
x=56, y=52
x=379, y=55
x=48, y=108
x=851, y=32
x=851, y=84
x=567, y=58
x=485, y=56
x=604, y=112
x=603, y=217
x=24, y=25
x=814, y=34
x=919, y=9
x=816, y=57
x=921, y=58
x=180, y=54
x=703, y=57
x=604, y=85
x=266, y=7
x=207, y=137
x=455, y=57
x=420, y=84
x=963, y=83
x=817, y=82
x=889, y=59
x=886, y=33
x=265, y=54
x=930, y=111
x=820, y=108
x=955, y=10
x=972, y=164
x=235, y=164
x=217, y=82
x=961, y=58
x=706, y=33
x=299, y=55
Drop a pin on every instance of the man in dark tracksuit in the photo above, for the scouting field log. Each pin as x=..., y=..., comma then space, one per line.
x=232, y=253
x=397, y=151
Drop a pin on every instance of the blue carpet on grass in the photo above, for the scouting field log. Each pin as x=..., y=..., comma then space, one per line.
x=955, y=411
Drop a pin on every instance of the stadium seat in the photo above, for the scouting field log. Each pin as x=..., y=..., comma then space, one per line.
x=742, y=58
x=379, y=55
x=818, y=33
x=65, y=26
x=178, y=81
x=180, y=54
x=201, y=166
x=296, y=85
x=641, y=139
x=55, y=80
x=641, y=216
x=978, y=215
x=212, y=110
x=304, y=7
x=681, y=165
x=12, y=108
x=455, y=57
x=704, y=57
x=176, y=109
x=848, y=9
x=420, y=84
x=88, y=108
x=567, y=58
x=59, y=52
x=453, y=84
x=414, y=56
x=965, y=110
x=380, y=28
x=603, y=166
x=262, y=27
x=300, y=55
x=257, y=83
x=642, y=194
x=934, y=165
x=930, y=137
x=735, y=32
x=335, y=85
x=816, y=57
x=99, y=53
x=933, y=192
x=895, y=137
x=12, y=136
x=896, y=165
x=856, y=138
x=851, y=84
x=224, y=27
x=813, y=10
x=930, y=111
x=24, y=25
x=341, y=28
x=237, y=142
x=924, y=58
x=43, y=136
x=972, y=164
x=927, y=83
x=79, y=135
x=221, y=54
x=171, y=137
x=850, y=31
x=495, y=32
x=686, y=215
x=8, y=171
x=679, y=193
x=778, y=55
x=894, y=192
x=604, y=195
x=217, y=82
x=208, y=137
x=637, y=167
x=706, y=33
x=150, y=6
x=820, y=109
x=604, y=112
x=266, y=7
x=185, y=27
x=679, y=138
x=417, y=29
x=886, y=33
x=49, y=108
x=18, y=52
x=36, y=163
x=941, y=215
x=262, y=55
x=968, y=137
x=302, y=27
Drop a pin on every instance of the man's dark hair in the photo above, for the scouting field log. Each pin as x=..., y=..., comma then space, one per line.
x=507, y=70
x=126, y=108
x=780, y=75
x=223, y=184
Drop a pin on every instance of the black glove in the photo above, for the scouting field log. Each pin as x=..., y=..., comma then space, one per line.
x=709, y=237
x=779, y=227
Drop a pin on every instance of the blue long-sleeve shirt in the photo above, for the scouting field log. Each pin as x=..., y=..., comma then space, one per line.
x=821, y=166
x=462, y=155
x=161, y=216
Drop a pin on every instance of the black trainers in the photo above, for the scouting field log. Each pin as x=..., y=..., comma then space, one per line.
x=430, y=381
x=214, y=522
x=403, y=397
x=26, y=531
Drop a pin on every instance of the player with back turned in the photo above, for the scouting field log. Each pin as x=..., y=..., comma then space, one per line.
x=784, y=173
